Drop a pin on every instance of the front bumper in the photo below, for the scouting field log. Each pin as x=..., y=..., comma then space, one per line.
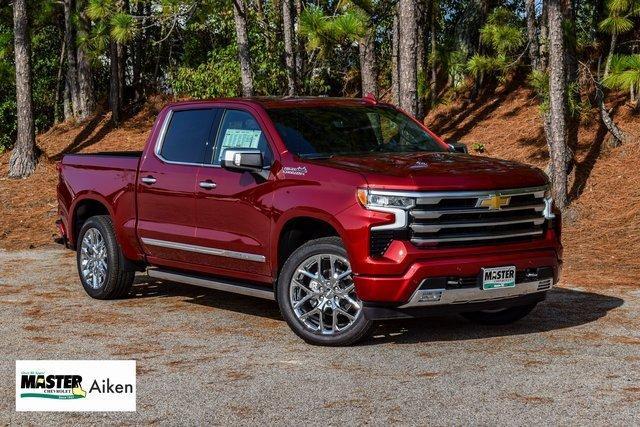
x=401, y=290
x=374, y=311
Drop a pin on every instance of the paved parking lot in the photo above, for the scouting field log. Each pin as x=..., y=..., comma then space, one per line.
x=225, y=359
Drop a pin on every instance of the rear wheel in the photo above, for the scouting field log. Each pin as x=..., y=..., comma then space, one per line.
x=103, y=270
x=503, y=316
x=317, y=295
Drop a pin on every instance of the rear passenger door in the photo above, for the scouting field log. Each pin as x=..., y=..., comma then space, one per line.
x=167, y=184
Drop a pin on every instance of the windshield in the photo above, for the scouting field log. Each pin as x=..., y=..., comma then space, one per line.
x=327, y=131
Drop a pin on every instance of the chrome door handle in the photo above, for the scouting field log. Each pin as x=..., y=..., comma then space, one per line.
x=207, y=185
x=148, y=180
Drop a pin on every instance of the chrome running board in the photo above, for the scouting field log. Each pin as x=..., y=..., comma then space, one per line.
x=217, y=284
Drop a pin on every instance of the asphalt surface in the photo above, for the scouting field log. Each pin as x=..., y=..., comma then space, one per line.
x=207, y=356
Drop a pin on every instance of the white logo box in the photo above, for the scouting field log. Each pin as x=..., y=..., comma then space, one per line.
x=76, y=385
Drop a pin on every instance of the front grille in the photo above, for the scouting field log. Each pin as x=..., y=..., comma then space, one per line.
x=459, y=218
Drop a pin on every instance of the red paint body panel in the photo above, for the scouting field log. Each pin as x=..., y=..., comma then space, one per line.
x=247, y=214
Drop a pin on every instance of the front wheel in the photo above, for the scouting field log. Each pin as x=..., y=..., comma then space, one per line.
x=317, y=295
x=503, y=316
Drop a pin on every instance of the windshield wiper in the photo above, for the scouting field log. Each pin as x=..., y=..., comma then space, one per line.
x=316, y=156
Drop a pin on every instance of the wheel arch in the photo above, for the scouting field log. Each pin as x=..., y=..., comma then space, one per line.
x=85, y=207
x=298, y=228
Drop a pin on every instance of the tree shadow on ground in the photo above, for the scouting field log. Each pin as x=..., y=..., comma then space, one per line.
x=584, y=168
x=147, y=287
x=475, y=111
x=563, y=308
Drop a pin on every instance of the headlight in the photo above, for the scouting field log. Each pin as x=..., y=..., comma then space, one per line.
x=389, y=203
x=380, y=200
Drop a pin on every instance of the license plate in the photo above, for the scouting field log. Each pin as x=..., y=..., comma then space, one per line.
x=499, y=277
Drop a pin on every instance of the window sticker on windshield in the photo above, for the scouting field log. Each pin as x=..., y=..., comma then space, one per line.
x=241, y=138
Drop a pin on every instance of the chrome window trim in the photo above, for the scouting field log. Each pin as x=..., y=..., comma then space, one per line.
x=204, y=250
x=163, y=131
x=165, y=125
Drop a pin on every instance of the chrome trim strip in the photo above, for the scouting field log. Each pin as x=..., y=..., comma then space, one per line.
x=487, y=237
x=538, y=192
x=399, y=222
x=211, y=284
x=432, y=228
x=468, y=295
x=420, y=214
x=204, y=250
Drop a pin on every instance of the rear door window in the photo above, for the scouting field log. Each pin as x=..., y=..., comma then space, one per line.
x=188, y=136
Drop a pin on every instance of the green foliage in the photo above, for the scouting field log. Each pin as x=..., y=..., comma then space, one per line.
x=325, y=33
x=539, y=81
x=619, y=19
x=123, y=27
x=478, y=147
x=483, y=64
x=502, y=32
x=624, y=73
x=218, y=77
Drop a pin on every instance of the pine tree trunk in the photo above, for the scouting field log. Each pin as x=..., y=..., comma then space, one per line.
x=300, y=50
x=395, y=80
x=72, y=59
x=289, y=51
x=59, y=84
x=433, y=53
x=612, y=49
x=22, y=162
x=367, y=49
x=407, y=59
x=240, y=17
x=532, y=34
x=557, y=103
x=544, y=39
x=85, y=75
x=114, y=83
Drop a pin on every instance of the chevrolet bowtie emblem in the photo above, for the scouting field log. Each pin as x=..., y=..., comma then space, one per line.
x=493, y=202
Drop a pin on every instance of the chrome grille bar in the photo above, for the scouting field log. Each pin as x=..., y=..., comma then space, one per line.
x=423, y=214
x=472, y=238
x=430, y=228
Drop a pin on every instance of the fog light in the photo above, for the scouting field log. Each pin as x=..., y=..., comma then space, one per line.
x=431, y=295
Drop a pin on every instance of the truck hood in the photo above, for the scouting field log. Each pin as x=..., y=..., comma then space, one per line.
x=438, y=171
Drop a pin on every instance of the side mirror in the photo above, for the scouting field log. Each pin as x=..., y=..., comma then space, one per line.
x=458, y=147
x=246, y=159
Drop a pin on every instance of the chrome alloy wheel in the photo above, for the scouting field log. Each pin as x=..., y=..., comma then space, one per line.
x=93, y=258
x=323, y=296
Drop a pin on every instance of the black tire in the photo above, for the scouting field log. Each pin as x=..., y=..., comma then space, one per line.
x=120, y=273
x=358, y=330
x=502, y=317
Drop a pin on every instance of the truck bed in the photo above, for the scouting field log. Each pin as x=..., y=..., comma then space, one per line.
x=108, y=178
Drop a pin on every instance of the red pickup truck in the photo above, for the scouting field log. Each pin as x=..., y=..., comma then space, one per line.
x=344, y=211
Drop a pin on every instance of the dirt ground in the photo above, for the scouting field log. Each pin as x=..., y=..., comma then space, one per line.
x=210, y=357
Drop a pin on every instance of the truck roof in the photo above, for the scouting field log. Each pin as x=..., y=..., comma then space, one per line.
x=285, y=102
